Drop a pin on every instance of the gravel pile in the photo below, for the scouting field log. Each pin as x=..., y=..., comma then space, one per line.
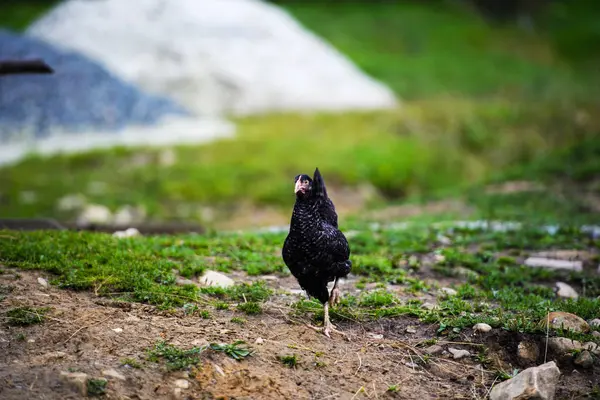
x=214, y=56
x=81, y=96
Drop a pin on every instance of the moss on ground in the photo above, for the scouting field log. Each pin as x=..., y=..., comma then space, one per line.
x=499, y=290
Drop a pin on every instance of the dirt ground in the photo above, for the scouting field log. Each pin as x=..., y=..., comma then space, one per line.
x=380, y=360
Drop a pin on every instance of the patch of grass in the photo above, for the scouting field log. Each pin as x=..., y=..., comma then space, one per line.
x=131, y=362
x=96, y=387
x=250, y=308
x=175, y=358
x=238, y=320
x=290, y=361
x=234, y=350
x=25, y=316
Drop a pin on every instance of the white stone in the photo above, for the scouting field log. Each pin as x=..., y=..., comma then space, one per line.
x=71, y=202
x=113, y=374
x=129, y=232
x=182, y=383
x=259, y=341
x=594, y=323
x=482, y=327
x=459, y=353
x=117, y=330
x=541, y=262
x=42, y=281
x=214, y=278
x=94, y=214
x=564, y=290
x=533, y=383
x=128, y=215
x=214, y=56
x=448, y=291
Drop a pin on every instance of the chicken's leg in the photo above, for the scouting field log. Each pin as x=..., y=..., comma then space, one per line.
x=328, y=327
x=334, y=297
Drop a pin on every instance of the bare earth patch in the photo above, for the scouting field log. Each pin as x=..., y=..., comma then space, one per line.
x=384, y=359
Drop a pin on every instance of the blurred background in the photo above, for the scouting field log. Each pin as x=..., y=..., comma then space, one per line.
x=204, y=111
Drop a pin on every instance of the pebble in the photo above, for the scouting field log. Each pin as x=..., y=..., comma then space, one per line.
x=448, y=291
x=259, y=341
x=434, y=349
x=129, y=232
x=482, y=327
x=533, y=383
x=117, y=330
x=594, y=323
x=113, y=374
x=566, y=321
x=411, y=329
x=42, y=281
x=528, y=351
x=76, y=379
x=214, y=278
x=428, y=306
x=584, y=359
x=541, y=262
x=459, y=353
x=182, y=383
x=564, y=290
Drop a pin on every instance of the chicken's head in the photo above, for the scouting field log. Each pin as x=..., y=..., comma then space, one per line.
x=302, y=185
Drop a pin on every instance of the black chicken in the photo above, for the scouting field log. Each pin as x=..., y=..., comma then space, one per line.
x=315, y=250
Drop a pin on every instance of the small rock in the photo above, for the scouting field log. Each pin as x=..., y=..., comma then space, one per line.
x=42, y=281
x=94, y=214
x=533, y=383
x=541, y=262
x=563, y=290
x=218, y=369
x=448, y=291
x=434, y=350
x=375, y=336
x=184, y=281
x=465, y=273
x=439, y=258
x=129, y=232
x=128, y=215
x=182, y=383
x=594, y=323
x=566, y=321
x=411, y=365
x=411, y=329
x=113, y=374
x=459, y=353
x=78, y=380
x=528, y=351
x=563, y=345
x=584, y=359
x=117, y=330
x=199, y=342
x=71, y=202
x=30, y=340
x=213, y=278
x=428, y=306
x=177, y=393
x=596, y=334
x=482, y=327
x=259, y=341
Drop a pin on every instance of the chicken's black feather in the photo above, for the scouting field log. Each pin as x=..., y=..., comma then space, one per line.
x=315, y=250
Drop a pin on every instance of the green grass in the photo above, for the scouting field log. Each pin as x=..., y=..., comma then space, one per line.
x=498, y=290
x=25, y=316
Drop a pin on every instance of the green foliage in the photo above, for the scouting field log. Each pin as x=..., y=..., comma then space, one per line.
x=175, y=358
x=24, y=316
x=233, y=350
x=96, y=387
x=290, y=360
x=131, y=362
x=250, y=308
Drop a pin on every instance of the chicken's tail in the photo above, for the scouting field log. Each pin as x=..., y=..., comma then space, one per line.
x=340, y=269
x=318, y=184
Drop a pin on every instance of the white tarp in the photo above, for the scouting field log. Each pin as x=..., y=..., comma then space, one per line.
x=214, y=56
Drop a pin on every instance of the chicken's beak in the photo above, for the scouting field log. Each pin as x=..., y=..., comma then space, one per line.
x=298, y=187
